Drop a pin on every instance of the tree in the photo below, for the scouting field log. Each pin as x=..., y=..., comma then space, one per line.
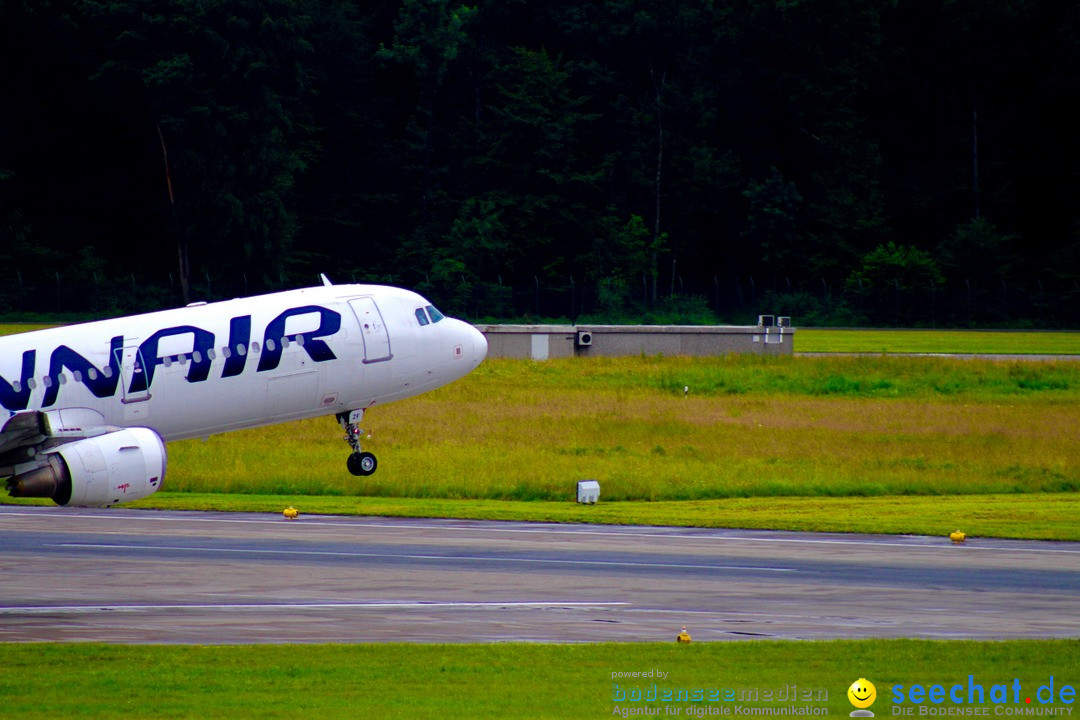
x=428, y=38
x=656, y=73
x=978, y=258
x=528, y=159
x=617, y=260
x=773, y=227
x=228, y=85
x=507, y=144
x=814, y=68
x=895, y=284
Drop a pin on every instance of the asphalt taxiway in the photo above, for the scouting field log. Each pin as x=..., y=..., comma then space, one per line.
x=134, y=576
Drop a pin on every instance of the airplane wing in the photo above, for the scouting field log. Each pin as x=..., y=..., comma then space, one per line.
x=21, y=430
x=73, y=457
x=26, y=434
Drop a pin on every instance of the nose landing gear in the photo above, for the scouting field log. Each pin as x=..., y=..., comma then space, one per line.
x=359, y=463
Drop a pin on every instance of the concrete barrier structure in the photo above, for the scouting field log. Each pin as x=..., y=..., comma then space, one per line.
x=540, y=342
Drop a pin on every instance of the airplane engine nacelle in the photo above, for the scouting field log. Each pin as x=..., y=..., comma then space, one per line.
x=100, y=471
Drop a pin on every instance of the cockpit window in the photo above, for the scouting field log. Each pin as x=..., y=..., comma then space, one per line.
x=421, y=316
x=436, y=316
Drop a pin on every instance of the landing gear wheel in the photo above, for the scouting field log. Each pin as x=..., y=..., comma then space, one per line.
x=362, y=463
x=359, y=463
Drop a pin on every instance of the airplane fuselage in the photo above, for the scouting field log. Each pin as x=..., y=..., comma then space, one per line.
x=242, y=363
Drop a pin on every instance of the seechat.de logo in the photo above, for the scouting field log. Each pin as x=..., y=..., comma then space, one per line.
x=862, y=695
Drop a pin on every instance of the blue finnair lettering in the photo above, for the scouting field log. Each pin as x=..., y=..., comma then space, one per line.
x=11, y=399
x=200, y=359
x=239, y=336
x=317, y=350
x=103, y=382
x=100, y=383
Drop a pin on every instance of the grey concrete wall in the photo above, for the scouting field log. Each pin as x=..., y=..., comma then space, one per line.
x=541, y=342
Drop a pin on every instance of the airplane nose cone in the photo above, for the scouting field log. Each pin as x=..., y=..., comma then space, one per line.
x=480, y=346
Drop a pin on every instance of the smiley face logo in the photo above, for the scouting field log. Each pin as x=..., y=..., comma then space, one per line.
x=862, y=693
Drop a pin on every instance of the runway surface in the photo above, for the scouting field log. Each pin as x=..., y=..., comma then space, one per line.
x=169, y=577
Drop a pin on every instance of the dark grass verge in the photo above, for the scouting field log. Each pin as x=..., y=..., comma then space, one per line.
x=1038, y=516
x=528, y=681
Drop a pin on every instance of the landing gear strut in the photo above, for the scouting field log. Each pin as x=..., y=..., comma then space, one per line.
x=359, y=463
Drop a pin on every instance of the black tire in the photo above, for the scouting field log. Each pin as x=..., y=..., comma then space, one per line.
x=362, y=464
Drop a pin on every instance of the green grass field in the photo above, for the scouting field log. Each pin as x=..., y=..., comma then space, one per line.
x=938, y=341
x=1039, y=516
x=504, y=681
x=754, y=443
x=835, y=443
x=750, y=427
x=879, y=444
x=14, y=328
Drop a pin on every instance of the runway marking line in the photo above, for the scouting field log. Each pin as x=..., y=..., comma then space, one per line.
x=404, y=605
x=467, y=558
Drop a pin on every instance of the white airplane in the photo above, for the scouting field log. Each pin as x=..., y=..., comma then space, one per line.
x=90, y=406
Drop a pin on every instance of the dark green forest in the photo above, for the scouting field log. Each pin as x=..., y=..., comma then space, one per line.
x=881, y=162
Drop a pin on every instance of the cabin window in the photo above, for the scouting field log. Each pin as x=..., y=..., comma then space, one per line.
x=421, y=317
x=436, y=316
x=211, y=355
x=16, y=387
x=241, y=350
x=46, y=381
x=31, y=383
x=255, y=347
x=77, y=375
x=226, y=352
x=167, y=361
x=92, y=374
x=270, y=345
x=285, y=342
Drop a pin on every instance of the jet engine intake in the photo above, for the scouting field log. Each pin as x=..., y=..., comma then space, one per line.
x=97, y=472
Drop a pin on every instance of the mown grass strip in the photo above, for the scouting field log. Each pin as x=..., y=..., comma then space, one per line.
x=937, y=341
x=505, y=680
x=15, y=328
x=687, y=429
x=1039, y=516
x=747, y=427
x=1042, y=516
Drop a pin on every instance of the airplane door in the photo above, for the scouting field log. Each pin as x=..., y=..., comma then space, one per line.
x=292, y=394
x=133, y=386
x=372, y=329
